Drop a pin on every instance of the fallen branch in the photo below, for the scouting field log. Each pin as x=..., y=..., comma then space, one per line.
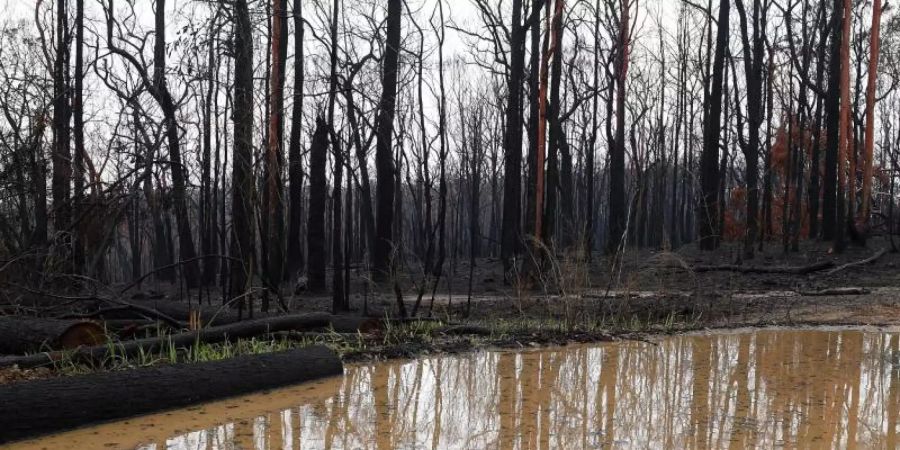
x=862, y=262
x=790, y=270
x=152, y=313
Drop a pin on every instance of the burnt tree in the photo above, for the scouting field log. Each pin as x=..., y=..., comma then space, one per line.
x=384, y=164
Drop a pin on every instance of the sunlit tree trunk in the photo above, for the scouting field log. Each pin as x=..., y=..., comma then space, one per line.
x=868, y=170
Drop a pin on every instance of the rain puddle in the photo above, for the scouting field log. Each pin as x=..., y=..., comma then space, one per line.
x=835, y=388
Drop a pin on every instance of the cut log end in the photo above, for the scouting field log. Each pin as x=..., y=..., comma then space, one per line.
x=23, y=334
x=82, y=334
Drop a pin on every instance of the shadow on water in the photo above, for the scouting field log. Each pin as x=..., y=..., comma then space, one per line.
x=763, y=389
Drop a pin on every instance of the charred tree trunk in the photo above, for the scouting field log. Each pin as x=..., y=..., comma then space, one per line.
x=555, y=136
x=274, y=150
x=78, y=200
x=208, y=242
x=20, y=335
x=541, y=137
x=815, y=184
x=753, y=65
x=533, y=118
x=512, y=173
x=617, y=213
x=62, y=114
x=294, y=256
x=339, y=300
x=315, y=238
x=832, y=125
x=242, y=230
x=590, y=156
x=160, y=91
x=53, y=405
x=384, y=164
x=709, y=172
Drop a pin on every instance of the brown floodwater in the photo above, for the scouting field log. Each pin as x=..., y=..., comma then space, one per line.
x=836, y=388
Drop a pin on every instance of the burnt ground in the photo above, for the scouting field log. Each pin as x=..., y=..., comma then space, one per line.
x=645, y=293
x=661, y=287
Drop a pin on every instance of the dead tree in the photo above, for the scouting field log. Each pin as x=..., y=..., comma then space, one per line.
x=753, y=51
x=709, y=171
x=512, y=173
x=159, y=90
x=242, y=230
x=315, y=228
x=274, y=151
x=384, y=164
x=832, y=125
x=617, y=213
x=62, y=114
x=294, y=255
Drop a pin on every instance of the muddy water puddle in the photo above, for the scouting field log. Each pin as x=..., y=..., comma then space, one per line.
x=754, y=389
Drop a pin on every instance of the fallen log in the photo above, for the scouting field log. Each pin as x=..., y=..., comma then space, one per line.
x=208, y=315
x=790, y=270
x=863, y=262
x=19, y=334
x=835, y=292
x=354, y=324
x=40, y=407
x=212, y=335
x=463, y=330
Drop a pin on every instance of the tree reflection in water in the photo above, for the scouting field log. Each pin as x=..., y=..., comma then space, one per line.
x=743, y=390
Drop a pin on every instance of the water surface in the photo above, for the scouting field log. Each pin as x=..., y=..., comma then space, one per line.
x=753, y=389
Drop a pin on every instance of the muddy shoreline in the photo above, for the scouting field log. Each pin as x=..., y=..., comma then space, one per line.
x=190, y=423
x=655, y=296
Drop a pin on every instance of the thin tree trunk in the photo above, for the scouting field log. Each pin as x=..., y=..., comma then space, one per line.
x=844, y=137
x=187, y=252
x=78, y=244
x=294, y=257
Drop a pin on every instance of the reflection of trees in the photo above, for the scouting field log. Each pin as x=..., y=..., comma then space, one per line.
x=772, y=388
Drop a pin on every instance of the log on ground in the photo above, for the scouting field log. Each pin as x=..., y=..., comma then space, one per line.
x=211, y=335
x=46, y=406
x=863, y=262
x=790, y=270
x=19, y=334
x=839, y=291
